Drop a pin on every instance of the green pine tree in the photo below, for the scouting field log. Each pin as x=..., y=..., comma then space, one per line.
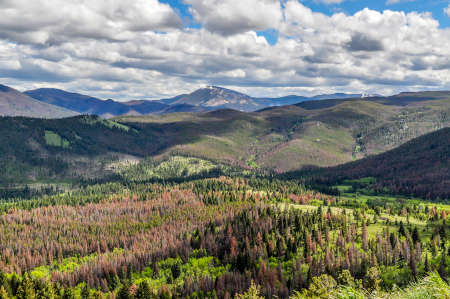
x=85, y=292
x=124, y=292
x=144, y=291
x=46, y=291
x=68, y=294
x=26, y=288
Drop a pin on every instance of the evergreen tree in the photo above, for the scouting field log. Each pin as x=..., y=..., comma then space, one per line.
x=68, y=294
x=26, y=288
x=443, y=265
x=85, y=292
x=46, y=291
x=415, y=235
x=401, y=229
x=252, y=293
x=144, y=291
x=98, y=295
x=124, y=292
x=427, y=265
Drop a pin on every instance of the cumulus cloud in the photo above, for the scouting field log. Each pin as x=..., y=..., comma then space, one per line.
x=362, y=42
x=55, y=21
x=229, y=17
x=447, y=10
x=139, y=50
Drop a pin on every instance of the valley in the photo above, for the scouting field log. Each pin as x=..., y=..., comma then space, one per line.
x=332, y=198
x=187, y=227
x=224, y=149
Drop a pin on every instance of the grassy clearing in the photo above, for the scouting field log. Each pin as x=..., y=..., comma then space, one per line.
x=53, y=139
x=377, y=223
x=173, y=167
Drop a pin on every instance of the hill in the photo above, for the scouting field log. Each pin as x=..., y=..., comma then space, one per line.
x=15, y=103
x=291, y=137
x=276, y=139
x=418, y=168
x=401, y=99
x=406, y=98
x=36, y=150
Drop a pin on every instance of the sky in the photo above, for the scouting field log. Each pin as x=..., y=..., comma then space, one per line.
x=151, y=49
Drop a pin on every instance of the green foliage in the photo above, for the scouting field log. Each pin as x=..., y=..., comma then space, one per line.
x=66, y=265
x=321, y=287
x=3, y=293
x=172, y=168
x=277, y=139
x=124, y=292
x=252, y=293
x=53, y=139
x=144, y=291
x=432, y=287
x=173, y=272
x=26, y=289
x=155, y=233
x=373, y=279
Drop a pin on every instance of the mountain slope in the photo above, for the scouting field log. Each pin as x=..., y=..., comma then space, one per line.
x=407, y=98
x=90, y=105
x=419, y=168
x=290, y=137
x=401, y=99
x=278, y=139
x=109, y=108
x=214, y=97
x=204, y=99
x=15, y=103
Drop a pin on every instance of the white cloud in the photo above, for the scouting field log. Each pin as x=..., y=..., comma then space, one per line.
x=100, y=50
x=55, y=21
x=229, y=17
x=447, y=10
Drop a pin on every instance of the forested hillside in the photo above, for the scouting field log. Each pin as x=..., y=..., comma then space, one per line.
x=214, y=237
x=225, y=149
x=418, y=168
x=291, y=137
x=273, y=140
x=171, y=226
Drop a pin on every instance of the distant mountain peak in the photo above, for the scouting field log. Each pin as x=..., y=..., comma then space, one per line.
x=216, y=97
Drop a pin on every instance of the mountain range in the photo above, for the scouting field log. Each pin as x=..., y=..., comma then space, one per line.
x=106, y=108
x=268, y=134
x=276, y=139
x=201, y=100
x=50, y=102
